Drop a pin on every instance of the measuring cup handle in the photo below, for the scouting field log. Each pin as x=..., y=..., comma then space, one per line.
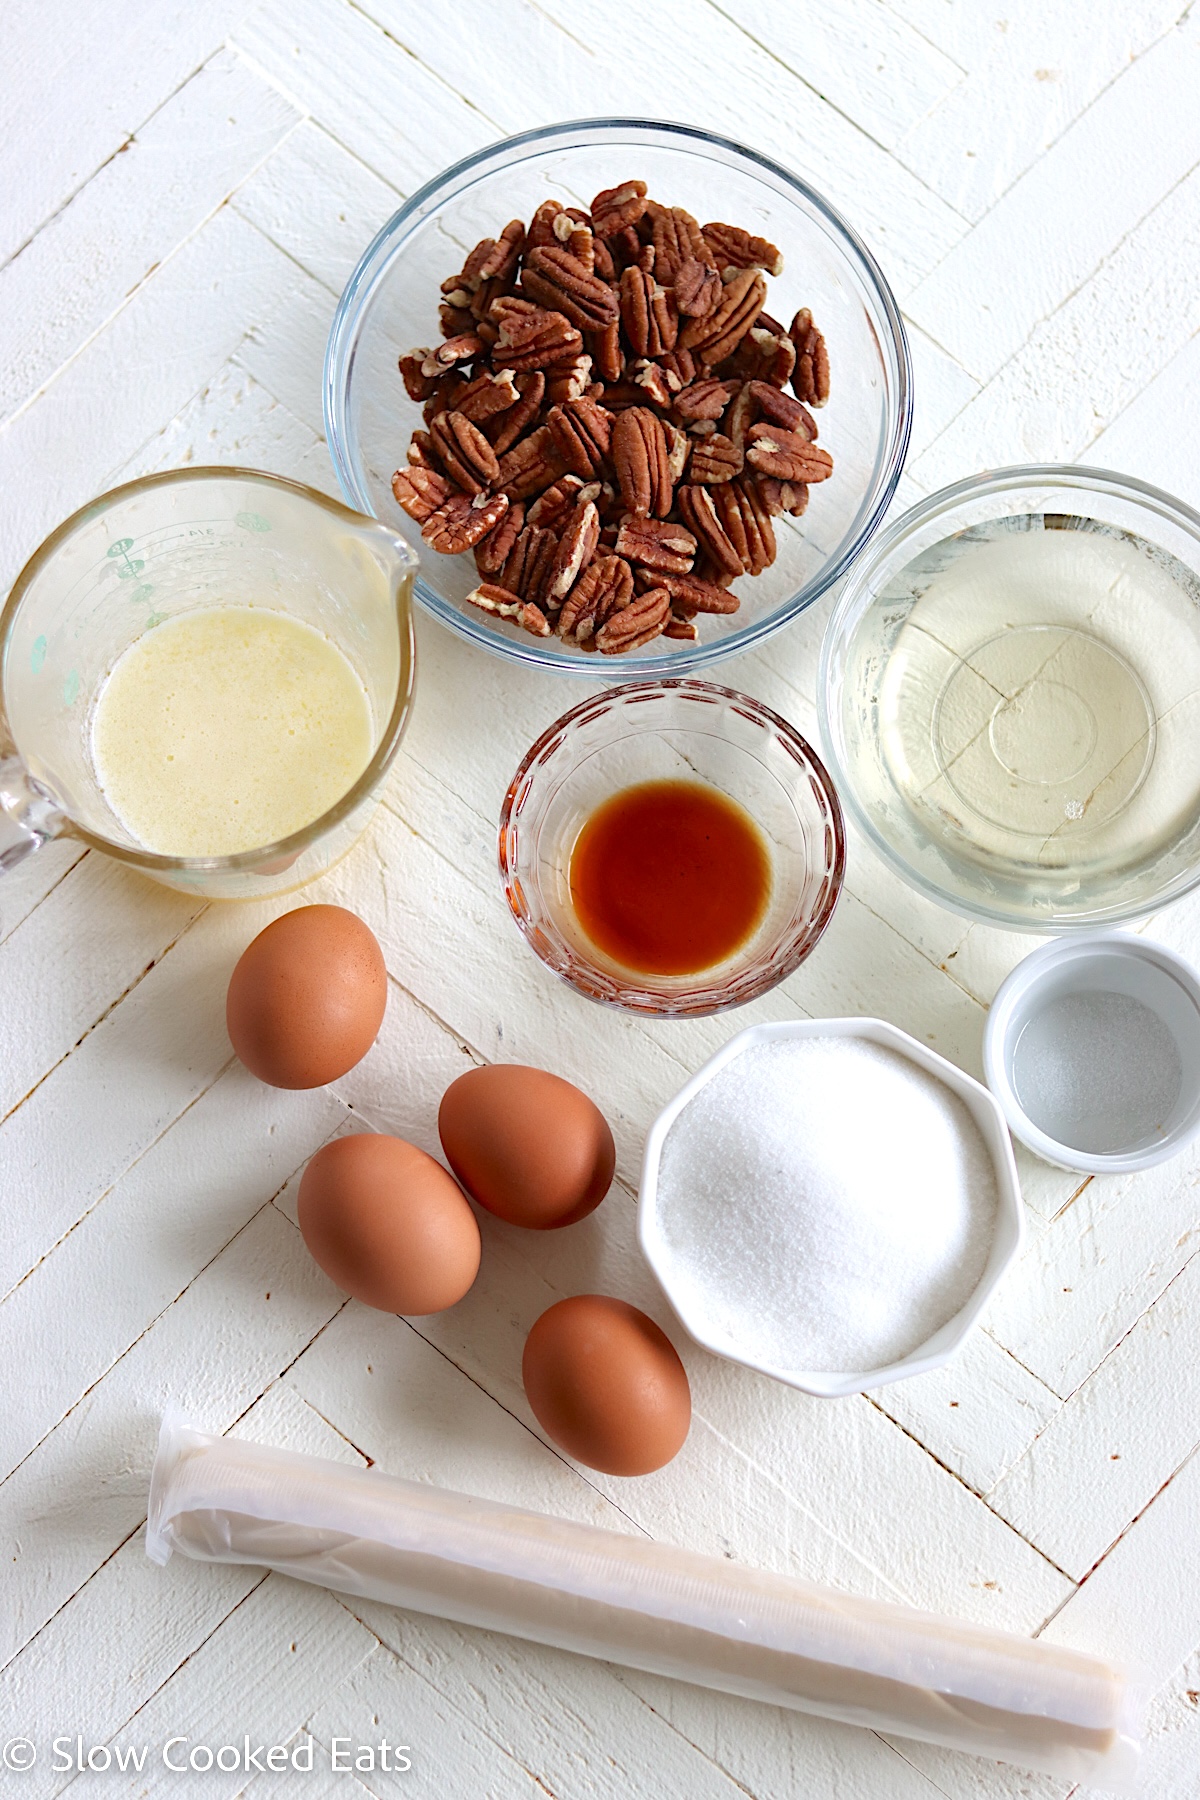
x=28, y=816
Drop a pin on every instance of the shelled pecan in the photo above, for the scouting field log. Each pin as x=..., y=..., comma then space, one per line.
x=605, y=421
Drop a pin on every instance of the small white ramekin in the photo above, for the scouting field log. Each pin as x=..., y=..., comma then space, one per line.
x=1007, y=1235
x=1106, y=961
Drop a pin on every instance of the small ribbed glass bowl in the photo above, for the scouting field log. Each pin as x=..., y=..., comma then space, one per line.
x=391, y=301
x=671, y=731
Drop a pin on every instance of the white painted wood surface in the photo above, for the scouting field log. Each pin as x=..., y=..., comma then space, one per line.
x=185, y=189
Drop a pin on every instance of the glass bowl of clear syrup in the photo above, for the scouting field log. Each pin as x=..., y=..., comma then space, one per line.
x=1010, y=697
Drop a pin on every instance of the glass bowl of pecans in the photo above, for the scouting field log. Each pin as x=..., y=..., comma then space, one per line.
x=643, y=389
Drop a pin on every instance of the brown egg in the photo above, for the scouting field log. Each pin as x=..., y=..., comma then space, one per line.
x=306, y=999
x=606, y=1384
x=388, y=1224
x=526, y=1145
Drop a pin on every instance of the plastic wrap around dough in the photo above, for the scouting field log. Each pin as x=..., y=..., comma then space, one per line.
x=650, y=1606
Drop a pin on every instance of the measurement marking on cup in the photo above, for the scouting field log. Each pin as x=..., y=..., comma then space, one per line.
x=128, y=566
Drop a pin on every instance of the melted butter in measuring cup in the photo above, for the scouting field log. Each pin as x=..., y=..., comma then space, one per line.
x=228, y=728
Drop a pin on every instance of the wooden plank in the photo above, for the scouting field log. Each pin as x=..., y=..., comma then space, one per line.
x=1104, y=1456
x=235, y=420
x=52, y=999
x=1151, y=436
x=449, y=1752
x=128, y=219
x=1143, y=1601
x=1081, y=367
x=27, y=885
x=176, y=331
x=173, y=1022
x=1068, y=211
x=82, y=1492
x=977, y=1415
x=860, y=57
x=400, y=119
x=318, y=202
x=1033, y=72
x=1087, y=1278
x=178, y=1207
x=262, y=1673
x=99, y=77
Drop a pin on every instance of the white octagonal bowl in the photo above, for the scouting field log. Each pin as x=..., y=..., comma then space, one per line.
x=1007, y=1236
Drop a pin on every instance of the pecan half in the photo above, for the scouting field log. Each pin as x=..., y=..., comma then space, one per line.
x=605, y=586
x=706, y=399
x=700, y=515
x=810, y=378
x=615, y=208
x=422, y=452
x=788, y=455
x=576, y=547
x=490, y=597
x=677, y=239
x=561, y=283
x=747, y=524
x=491, y=552
x=568, y=380
x=656, y=544
x=647, y=313
x=417, y=385
x=640, y=460
x=535, y=620
x=780, y=409
x=692, y=594
x=502, y=432
x=782, y=496
x=531, y=465
x=697, y=288
x=460, y=522
x=733, y=247
x=677, y=627
x=465, y=347
x=607, y=353
x=578, y=238
x=582, y=433
x=456, y=321
x=533, y=338
x=763, y=356
x=486, y=396
x=655, y=383
x=466, y=455
x=541, y=226
x=551, y=509
x=496, y=259
x=420, y=491
x=718, y=335
x=715, y=459
x=529, y=563
x=639, y=623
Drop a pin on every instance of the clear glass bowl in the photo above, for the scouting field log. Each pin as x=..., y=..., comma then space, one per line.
x=1010, y=697
x=670, y=731
x=390, y=305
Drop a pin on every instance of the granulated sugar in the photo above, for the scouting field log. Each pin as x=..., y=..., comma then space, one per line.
x=826, y=1204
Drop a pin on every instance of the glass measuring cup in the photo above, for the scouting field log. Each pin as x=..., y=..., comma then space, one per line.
x=149, y=552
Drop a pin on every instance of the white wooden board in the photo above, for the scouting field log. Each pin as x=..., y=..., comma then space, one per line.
x=183, y=193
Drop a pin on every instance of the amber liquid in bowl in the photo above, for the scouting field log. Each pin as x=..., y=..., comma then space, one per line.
x=670, y=877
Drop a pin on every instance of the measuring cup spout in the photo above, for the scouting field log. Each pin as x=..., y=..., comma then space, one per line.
x=28, y=815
